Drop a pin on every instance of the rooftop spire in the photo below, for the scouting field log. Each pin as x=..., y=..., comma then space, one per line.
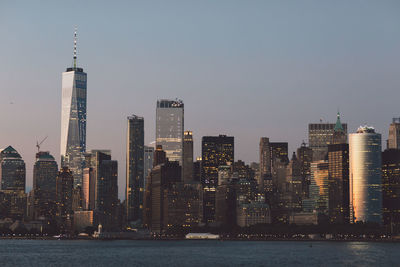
x=338, y=126
x=75, y=48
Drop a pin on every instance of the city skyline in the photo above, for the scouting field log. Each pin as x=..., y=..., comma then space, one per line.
x=230, y=104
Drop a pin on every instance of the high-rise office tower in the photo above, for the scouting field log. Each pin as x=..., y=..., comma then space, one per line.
x=394, y=134
x=187, y=157
x=304, y=154
x=338, y=159
x=64, y=191
x=73, y=119
x=365, y=176
x=320, y=174
x=88, y=189
x=216, y=151
x=135, y=169
x=339, y=135
x=107, y=195
x=391, y=188
x=265, y=161
x=320, y=135
x=45, y=173
x=12, y=184
x=148, y=162
x=12, y=170
x=169, y=128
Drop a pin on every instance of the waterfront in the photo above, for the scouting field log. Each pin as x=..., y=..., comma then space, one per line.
x=196, y=253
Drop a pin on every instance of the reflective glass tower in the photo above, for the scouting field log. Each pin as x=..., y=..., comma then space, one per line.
x=169, y=128
x=365, y=176
x=73, y=119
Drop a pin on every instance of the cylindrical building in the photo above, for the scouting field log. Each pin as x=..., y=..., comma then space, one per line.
x=365, y=176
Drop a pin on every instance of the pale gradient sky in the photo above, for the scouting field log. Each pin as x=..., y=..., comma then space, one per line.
x=243, y=68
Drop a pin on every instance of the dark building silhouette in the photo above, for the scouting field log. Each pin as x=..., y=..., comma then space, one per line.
x=161, y=178
x=135, y=169
x=216, y=151
x=107, y=195
x=45, y=173
x=187, y=167
x=304, y=154
x=391, y=188
x=159, y=156
x=12, y=184
x=338, y=183
x=64, y=191
x=265, y=161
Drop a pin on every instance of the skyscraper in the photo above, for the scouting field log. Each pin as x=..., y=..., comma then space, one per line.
x=148, y=162
x=394, y=134
x=320, y=135
x=12, y=183
x=169, y=128
x=338, y=159
x=365, y=176
x=187, y=157
x=73, y=119
x=216, y=151
x=135, y=168
x=265, y=161
x=45, y=173
x=12, y=170
x=64, y=189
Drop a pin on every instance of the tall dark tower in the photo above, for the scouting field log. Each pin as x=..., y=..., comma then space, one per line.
x=216, y=151
x=187, y=167
x=135, y=169
x=45, y=173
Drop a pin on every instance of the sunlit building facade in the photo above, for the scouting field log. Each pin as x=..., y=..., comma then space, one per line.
x=170, y=127
x=73, y=120
x=394, y=134
x=365, y=176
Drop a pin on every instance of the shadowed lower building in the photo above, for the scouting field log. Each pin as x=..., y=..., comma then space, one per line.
x=391, y=188
x=64, y=190
x=45, y=173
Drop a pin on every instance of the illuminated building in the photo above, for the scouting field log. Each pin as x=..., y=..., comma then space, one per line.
x=391, y=187
x=187, y=166
x=252, y=213
x=320, y=135
x=365, y=176
x=73, y=119
x=135, y=169
x=320, y=174
x=304, y=154
x=265, y=161
x=338, y=158
x=169, y=128
x=216, y=151
x=45, y=172
x=394, y=134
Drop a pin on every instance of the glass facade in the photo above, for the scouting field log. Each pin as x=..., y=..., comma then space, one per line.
x=169, y=128
x=12, y=170
x=365, y=176
x=73, y=122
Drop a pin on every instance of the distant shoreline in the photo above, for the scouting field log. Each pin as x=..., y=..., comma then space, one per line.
x=221, y=239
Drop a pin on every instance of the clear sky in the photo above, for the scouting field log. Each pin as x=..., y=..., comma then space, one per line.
x=243, y=68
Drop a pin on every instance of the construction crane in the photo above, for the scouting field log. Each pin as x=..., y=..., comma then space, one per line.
x=38, y=144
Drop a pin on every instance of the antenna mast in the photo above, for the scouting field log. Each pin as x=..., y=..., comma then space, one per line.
x=75, y=48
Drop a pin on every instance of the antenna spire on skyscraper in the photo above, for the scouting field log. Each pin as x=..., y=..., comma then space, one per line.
x=75, y=47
